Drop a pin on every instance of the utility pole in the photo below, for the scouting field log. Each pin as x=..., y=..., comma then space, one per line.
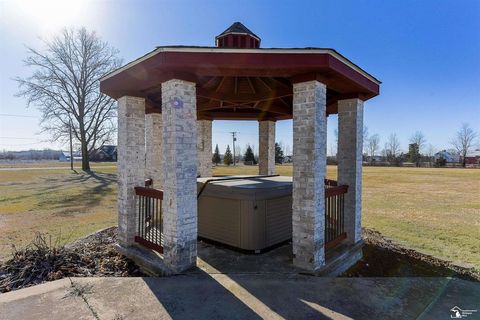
x=71, y=144
x=234, y=138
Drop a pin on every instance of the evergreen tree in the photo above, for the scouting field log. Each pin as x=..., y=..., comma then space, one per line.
x=216, y=156
x=228, y=157
x=249, y=157
x=278, y=153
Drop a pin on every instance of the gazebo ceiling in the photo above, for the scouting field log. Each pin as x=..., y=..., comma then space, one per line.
x=241, y=84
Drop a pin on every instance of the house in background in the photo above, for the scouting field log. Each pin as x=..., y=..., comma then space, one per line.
x=473, y=158
x=288, y=159
x=448, y=156
x=374, y=159
x=65, y=156
x=104, y=153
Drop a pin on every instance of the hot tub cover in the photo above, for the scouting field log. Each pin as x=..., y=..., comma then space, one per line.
x=256, y=188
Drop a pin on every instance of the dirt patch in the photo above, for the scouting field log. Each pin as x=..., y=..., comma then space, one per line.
x=383, y=257
x=92, y=256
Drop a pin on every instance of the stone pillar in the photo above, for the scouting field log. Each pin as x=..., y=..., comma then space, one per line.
x=350, y=146
x=130, y=163
x=179, y=116
x=153, y=143
x=309, y=159
x=266, y=147
x=204, y=148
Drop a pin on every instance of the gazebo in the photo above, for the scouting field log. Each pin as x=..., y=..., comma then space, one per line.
x=167, y=101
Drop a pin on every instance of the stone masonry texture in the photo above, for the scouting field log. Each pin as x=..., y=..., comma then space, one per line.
x=204, y=147
x=309, y=160
x=350, y=142
x=153, y=143
x=180, y=170
x=266, y=147
x=130, y=163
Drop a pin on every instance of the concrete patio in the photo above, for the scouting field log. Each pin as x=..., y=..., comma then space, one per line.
x=241, y=296
x=227, y=284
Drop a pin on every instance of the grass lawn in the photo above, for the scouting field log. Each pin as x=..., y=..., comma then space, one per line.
x=64, y=204
x=51, y=164
x=435, y=211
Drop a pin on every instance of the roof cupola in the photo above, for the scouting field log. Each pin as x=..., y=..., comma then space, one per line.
x=237, y=36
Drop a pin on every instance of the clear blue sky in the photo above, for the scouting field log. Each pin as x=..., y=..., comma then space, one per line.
x=426, y=53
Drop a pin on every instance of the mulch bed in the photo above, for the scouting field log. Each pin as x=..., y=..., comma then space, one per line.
x=92, y=256
x=95, y=256
x=383, y=257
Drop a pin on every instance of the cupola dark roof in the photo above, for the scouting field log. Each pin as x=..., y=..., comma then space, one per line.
x=238, y=27
x=237, y=36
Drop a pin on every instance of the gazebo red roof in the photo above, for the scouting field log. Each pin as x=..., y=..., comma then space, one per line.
x=238, y=83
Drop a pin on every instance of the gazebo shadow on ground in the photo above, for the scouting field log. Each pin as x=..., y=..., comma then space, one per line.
x=231, y=284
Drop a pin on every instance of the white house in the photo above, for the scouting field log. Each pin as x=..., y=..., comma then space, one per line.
x=449, y=156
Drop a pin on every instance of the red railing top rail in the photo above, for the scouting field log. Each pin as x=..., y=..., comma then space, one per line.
x=335, y=191
x=331, y=183
x=149, y=192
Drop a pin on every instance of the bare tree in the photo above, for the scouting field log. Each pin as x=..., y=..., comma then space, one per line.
x=333, y=150
x=418, y=138
x=365, y=139
x=393, y=146
x=430, y=153
x=417, y=142
x=238, y=152
x=463, y=141
x=373, y=143
x=288, y=150
x=65, y=87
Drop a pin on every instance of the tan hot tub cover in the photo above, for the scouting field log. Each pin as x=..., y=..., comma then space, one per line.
x=248, y=213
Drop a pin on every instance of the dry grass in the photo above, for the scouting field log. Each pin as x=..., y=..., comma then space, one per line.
x=57, y=202
x=436, y=211
x=51, y=164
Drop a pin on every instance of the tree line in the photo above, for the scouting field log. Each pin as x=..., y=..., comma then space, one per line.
x=463, y=142
x=249, y=158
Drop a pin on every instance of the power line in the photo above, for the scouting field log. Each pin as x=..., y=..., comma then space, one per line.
x=18, y=138
x=17, y=115
x=19, y=145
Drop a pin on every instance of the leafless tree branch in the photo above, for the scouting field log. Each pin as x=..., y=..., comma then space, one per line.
x=65, y=87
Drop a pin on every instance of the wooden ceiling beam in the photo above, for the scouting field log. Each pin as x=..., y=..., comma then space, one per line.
x=217, y=89
x=251, y=85
x=289, y=85
x=215, y=95
x=239, y=115
x=264, y=83
x=209, y=81
x=274, y=107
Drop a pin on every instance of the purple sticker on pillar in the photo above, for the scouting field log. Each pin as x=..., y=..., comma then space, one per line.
x=176, y=103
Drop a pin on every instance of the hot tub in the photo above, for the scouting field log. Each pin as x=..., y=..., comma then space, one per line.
x=249, y=213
